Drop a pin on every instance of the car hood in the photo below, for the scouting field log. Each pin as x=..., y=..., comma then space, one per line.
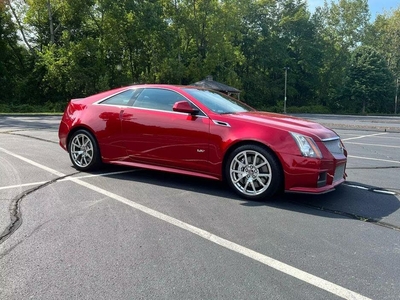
x=286, y=123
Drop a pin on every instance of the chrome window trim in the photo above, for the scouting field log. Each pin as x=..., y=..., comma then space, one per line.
x=168, y=111
x=114, y=105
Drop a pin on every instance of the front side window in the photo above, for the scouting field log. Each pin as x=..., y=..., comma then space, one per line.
x=159, y=99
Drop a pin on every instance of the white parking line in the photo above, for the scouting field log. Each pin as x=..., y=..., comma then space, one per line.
x=377, y=190
x=363, y=136
x=21, y=185
x=386, y=136
x=377, y=159
x=375, y=145
x=391, y=137
x=65, y=179
x=266, y=260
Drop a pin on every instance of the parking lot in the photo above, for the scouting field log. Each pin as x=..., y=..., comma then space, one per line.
x=126, y=233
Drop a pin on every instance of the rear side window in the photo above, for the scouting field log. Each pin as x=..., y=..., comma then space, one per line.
x=121, y=99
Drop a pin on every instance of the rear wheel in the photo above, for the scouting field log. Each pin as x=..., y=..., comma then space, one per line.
x=253, y=172
x=83, y=151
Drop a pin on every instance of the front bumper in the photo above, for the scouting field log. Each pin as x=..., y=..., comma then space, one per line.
x=313, y=176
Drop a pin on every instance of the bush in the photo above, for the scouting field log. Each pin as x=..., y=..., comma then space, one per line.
x=311, y=109
x=48, y=107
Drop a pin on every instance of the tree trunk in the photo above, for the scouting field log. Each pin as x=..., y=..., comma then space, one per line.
x=20, y=27
x=363, y=108
x=51, y=22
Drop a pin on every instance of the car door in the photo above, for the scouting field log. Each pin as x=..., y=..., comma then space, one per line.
x=155, y=134
x=107, y=128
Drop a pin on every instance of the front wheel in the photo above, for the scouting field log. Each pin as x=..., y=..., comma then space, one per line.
x=253, y=172
x=83, y=151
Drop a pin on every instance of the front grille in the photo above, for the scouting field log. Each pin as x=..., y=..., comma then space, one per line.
x=334, y=146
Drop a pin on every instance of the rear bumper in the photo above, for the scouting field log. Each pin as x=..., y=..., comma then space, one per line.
x=63, y=134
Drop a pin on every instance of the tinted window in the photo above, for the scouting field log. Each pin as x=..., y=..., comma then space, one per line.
x=158, y=99
x=120, y=99
x=217, y=102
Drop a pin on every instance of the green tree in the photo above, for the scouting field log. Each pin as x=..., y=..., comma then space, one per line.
x=384, y=35
x=201, y=32
x=14, y=60
x=275, y=35
x=65, y=52
x=304, y=53
x=83, y=47
x=342, y=26
x=368, y=83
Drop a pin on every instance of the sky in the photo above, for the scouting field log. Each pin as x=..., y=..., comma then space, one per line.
x=375, y=6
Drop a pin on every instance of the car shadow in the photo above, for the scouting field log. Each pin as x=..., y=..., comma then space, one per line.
x=349, y=200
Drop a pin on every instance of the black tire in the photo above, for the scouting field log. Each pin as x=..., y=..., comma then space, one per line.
x=84, y=151
x=253, y=172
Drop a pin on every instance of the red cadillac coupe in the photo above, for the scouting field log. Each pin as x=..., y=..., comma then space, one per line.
x=194, y=131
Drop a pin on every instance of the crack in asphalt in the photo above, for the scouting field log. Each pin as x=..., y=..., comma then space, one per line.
x=25, y=129
x=15, y=208
x=32, y=137
x=5, y=253
x=350, y=215
x=355, y=216
x=16, y=216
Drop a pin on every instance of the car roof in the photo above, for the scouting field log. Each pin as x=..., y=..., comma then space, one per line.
x=163, y=85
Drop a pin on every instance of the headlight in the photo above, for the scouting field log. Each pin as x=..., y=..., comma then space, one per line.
x=307, y=146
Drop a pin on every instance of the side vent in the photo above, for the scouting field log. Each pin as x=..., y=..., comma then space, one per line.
x=220, y=123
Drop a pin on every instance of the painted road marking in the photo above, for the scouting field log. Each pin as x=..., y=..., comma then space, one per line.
x=376, y=190
x=388, y=137
x=364, y=136
x=264, y=259
x=66, y=179
x=22, y=185
x=375, y=145
x=377, y=159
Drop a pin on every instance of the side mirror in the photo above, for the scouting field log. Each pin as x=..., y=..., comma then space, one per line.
x=184, y=107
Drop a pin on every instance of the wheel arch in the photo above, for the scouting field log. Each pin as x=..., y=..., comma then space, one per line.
x=82, y=127
x=256, y=143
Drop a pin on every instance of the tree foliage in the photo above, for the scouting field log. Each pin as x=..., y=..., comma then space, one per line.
x=368, y=82
x=14, y=61
x=54, y=50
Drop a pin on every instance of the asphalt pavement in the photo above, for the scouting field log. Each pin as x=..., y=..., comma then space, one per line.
x=125, y=233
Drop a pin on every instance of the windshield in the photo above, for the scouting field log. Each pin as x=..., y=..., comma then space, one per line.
x=217, y=102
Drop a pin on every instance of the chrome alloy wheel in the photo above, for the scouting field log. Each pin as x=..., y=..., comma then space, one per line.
x=82, y=151
x=250, y=172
